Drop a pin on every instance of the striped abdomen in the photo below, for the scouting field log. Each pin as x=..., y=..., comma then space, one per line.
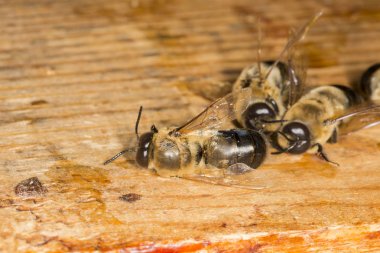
x=235, y=146
x=208, y=155
x=370, y=83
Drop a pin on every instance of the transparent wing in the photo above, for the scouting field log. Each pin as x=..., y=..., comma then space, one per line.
x=227, y=181
x=296, y=71
x=357, y=119
x=216, y=114
x=296, y=76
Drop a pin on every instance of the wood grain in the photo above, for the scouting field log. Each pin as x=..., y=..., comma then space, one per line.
x=72, y=77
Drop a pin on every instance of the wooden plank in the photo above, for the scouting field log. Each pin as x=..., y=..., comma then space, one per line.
x=72, y=77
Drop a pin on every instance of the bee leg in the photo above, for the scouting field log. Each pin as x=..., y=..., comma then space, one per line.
x=285, y=150
x=333, y=137
x=323, y=155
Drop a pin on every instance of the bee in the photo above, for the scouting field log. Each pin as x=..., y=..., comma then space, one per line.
x=318, y=117
x=274, y=85
x=266, y=104
x=199, y=147
x=370, y=84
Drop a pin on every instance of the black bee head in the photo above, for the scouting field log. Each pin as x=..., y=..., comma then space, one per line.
x=297, y=135
x=257, y=114
x=142, y=155
x=145, y=142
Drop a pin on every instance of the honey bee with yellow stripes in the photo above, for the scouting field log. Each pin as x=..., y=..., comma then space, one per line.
x=267, y=101
x=274, y=86
x=319, y=116
x=199, y=147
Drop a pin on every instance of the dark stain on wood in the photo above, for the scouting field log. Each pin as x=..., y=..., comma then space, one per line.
x=30, y=187
x=130, y=197
x=6, y=202
x=39, y=102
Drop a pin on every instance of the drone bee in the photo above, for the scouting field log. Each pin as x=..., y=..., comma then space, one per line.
x=274, y=86
x=370, y=83
x=199, y=147
x=266, y=104
x=318, y=117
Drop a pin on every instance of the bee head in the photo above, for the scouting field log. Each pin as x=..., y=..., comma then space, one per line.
x=295, y=136
x=257, y=115
x=145, y=142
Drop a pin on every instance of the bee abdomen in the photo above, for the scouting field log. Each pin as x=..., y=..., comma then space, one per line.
x=366, y=83
x=258, y=142
x=198, y=153
x=236, y=146
x=351, y=95
x=282, y=67
x=332, y=96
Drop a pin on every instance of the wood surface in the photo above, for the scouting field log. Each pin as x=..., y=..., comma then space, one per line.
x=72, y=77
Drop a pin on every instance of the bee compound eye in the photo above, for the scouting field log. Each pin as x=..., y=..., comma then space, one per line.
x=256, y=113
x=142, y=155
x=299, y=136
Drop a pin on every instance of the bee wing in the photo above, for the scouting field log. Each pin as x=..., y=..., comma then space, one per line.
x=296, y=76
x=296, y=71
x=357, y=119
x=227, y=181
x=215, y=115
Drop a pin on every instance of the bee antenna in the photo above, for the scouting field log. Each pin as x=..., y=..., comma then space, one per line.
x=286, y=137
x=258, y=52
x=284, y=150
x=118, y=155
x=295, y=38
x=128, y=149
x=137, y=123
